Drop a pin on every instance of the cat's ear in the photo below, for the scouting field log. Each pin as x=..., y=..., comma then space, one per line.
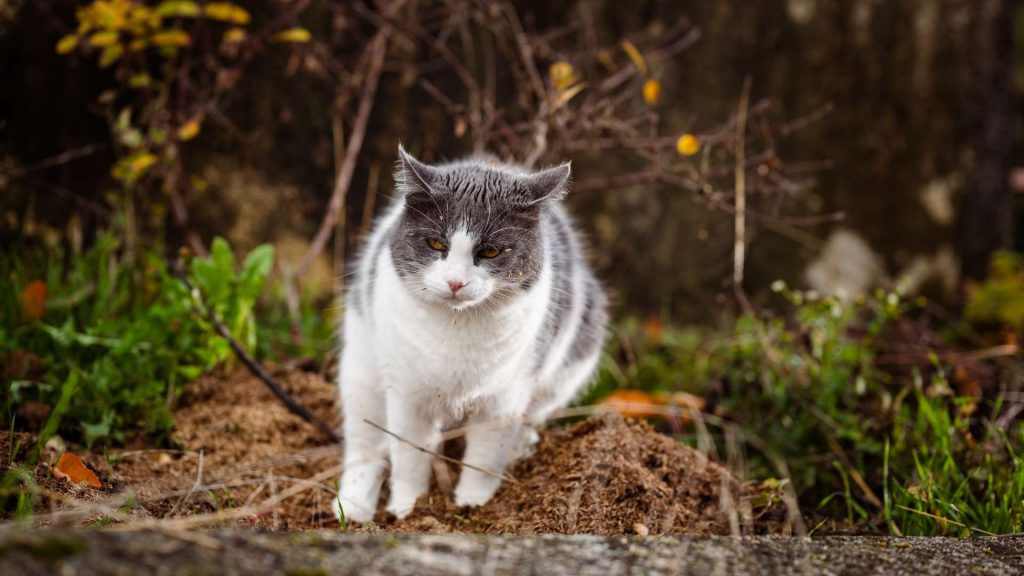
x=414, y=176
x=552, y=183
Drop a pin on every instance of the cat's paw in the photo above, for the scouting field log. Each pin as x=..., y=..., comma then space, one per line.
x=476, y=491
x=401, y=506
x=526, y=444
x=348, y=510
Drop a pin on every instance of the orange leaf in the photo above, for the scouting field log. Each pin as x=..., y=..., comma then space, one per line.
x=71, y=467
x=653, y=330
x=33, y=300
x=632, y=403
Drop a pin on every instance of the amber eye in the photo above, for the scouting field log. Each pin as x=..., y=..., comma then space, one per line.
x=437, y=244
x=488, y=252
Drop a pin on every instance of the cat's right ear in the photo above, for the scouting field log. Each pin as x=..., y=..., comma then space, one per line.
x=416, y=178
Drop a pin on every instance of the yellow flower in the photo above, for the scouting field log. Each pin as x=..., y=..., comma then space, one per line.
x=688, y=145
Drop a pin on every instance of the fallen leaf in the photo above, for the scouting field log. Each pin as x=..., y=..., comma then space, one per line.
x=33, y=300
x=632, y=403
x=71, y=467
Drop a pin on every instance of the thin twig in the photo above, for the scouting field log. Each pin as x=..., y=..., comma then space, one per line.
x=739, y=246
x=441, y=456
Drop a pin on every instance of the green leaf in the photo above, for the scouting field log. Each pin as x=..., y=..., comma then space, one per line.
x=255, y=270
x=99, y=430
x=223, y=256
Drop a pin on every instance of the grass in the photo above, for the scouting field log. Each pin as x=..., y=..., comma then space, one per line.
x=865, y=449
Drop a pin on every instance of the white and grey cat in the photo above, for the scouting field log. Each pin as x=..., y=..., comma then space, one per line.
x=472, y=303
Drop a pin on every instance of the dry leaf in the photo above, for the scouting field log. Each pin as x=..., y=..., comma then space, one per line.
x=71, y=467
x=33, y=300
x=631, y=403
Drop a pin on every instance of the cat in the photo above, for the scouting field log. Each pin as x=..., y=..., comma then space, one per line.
x=472, y=302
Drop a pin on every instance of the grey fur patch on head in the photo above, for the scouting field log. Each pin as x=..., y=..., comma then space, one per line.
x=499, y=205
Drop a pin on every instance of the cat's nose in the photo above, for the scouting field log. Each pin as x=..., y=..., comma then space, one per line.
x=455, y=285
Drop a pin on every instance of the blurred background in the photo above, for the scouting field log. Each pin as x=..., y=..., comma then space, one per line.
x=805, y=209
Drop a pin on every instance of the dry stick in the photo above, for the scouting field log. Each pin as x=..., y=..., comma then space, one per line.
x=250, y=363
x=441, y=456
x=739, y=247
x=378, y=50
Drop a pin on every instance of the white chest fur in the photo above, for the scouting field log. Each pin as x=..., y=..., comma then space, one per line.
x=449, y=362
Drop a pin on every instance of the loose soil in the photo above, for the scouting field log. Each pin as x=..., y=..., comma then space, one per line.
x=244, y=456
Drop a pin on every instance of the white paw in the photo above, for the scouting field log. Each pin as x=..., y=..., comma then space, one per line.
x=401, y=507
x=475, y=491
x=349, y=510
x=526, y=445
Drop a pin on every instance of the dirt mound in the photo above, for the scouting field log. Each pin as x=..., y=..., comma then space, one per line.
x=241, y=448
x=607, y=475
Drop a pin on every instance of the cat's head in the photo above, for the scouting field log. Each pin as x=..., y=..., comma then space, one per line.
x=469, y=232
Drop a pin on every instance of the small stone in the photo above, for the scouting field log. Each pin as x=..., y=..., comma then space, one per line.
x=641, y=529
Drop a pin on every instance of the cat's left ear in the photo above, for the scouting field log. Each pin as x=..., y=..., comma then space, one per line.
x=552, y=183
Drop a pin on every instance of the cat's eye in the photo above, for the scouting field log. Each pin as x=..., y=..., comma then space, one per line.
x=437, y=244
x=488, y=252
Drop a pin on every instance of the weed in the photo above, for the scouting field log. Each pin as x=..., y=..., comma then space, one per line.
x=116, y=335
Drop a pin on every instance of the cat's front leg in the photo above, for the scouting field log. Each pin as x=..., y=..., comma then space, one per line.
x=362, y=399
x=487, y=448
x=410, y=466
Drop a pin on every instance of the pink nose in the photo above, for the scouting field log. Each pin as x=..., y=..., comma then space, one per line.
x=455, y=285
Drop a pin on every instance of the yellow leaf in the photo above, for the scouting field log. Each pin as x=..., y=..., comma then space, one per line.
x=652, y=92
x=564, y=96
x=67, y=44
x=562, y=75
x=234, y=35
x=178, y=9
x=110, y=55
x=606, y=60
x=688, y=145
x=141, y=163
x=226, y=12
x=189, y=129
x=103, y=39
x=297, y=35
x=171, y=38
x=635, y=56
